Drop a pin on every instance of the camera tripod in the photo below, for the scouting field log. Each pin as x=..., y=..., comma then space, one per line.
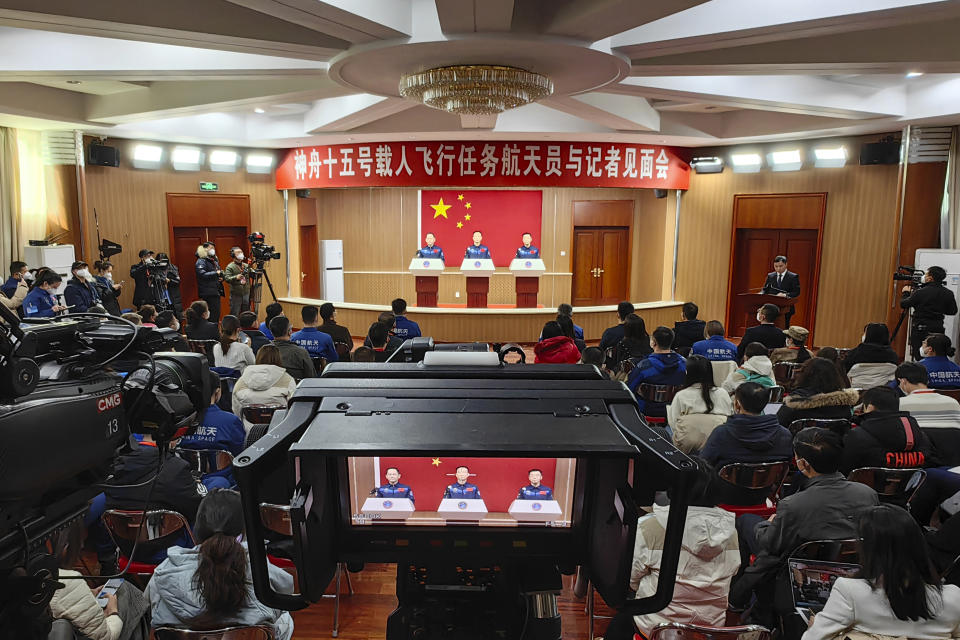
x=256, y=286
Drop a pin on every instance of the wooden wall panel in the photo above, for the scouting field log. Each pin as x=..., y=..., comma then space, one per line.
x=131, y=204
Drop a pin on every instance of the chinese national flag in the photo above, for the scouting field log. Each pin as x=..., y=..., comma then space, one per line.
x=499, y=479
x=503, y=216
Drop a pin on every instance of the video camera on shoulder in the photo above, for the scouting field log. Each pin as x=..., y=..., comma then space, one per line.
x=906, y=273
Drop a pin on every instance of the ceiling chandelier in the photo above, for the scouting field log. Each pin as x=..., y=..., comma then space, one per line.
x=475, y=89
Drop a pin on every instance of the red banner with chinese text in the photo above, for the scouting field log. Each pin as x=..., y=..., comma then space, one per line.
x=484, y=164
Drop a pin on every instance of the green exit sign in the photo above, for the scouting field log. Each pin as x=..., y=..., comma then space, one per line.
x=209, y=186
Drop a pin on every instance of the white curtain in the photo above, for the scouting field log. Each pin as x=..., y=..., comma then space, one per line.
x=950, y=209
x=33, y=189
x=11, y=236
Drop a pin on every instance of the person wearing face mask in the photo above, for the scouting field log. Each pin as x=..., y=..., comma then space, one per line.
x=766, y=333
x=15, y=289
x=168, y=320
x=41, y=302
x=930, y=302
x=209, y=279
x=937, y=352
x=237, y=275
x=107, y=289
x=80, y=294
x=173, y=285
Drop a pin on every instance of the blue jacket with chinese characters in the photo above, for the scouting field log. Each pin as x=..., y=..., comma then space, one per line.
x=715, y=348
x=406, y=328
x=317, y=343
x=481, y=252
x=220, y=430
x=39, y=304
x=531, y=492
x=465, y=490
x=532, y=252
x=395, y=491
x=944, y=372
x=432, y=252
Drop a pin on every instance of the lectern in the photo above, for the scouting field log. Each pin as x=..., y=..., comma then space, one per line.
x=388, y=508
x=527, y=272
x=478, y=272
x=427, y=271
x=535, y=510
x=753, y=301
x=460, y=509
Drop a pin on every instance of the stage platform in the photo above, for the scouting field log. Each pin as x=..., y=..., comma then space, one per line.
x=501, y=324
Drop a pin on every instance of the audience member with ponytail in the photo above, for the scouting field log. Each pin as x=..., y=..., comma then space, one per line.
x=210, y=585
x=229, y=352
x=198, y=325
x=937, y=353
x=700, y=396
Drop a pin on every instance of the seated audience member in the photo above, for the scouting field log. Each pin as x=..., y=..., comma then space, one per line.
x=41, y=301
x=274, y=309
x=715, y=347
x=688, y=330
x=756, y=367
x=931, y=409
x=885, y=436
x=248, y=326
x=565, y=309
x=634, y=345
x=826, y=507
x=364, y=354
x=265, y=382
x=874, y=348
x=378, y=337
x=944, y=545
x=76, y=603
x=766, y=333
x=747, y=436
x=940, y=484
x=295, y=358
x=709, y=558
x=612, y=335
x=199, y=326
x=220, y=430
x=134, y=317
x=317, y=343
x=555, y=348
x=795, y=349
x=818, y=393
x=18, y=277
x=566, y=326
x=663, y=366
x=80, y=293
x=338, y=332
x=831, y=354
x=388, y=320
x=592, y=355
x=699, y=397
x=148, y=314
x=229, y=352
x=210, y=585
x=168, y=320
x=403, y=327
x=943, y=372
x=897, y=594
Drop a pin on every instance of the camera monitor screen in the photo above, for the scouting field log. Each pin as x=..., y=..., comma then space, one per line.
x=440, y=491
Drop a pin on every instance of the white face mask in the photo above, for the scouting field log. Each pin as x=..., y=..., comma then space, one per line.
x=175, y=326
x=28, y=276
x=238, y=256
x=84, y=273
x=211, y=251
x=109, y=276
x=925, y=352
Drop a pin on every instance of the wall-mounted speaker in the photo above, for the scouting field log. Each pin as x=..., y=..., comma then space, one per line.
x=303, y=193
x=659, y=194
x=884, y=152
x=103, y=156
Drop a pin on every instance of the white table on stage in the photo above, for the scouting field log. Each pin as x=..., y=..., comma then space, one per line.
x=535, y=510
x=388, y=508
x=463, y=510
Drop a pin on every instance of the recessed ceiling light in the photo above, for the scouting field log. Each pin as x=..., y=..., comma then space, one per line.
x=259, y=110
x=914, y=74
x=73, y=81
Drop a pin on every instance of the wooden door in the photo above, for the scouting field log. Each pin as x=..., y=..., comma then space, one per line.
x=224, y=238
x=800, y=247
x=309, y=262
x=185, y=243
x=600, y=256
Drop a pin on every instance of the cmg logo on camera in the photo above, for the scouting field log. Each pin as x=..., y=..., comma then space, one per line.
x=107, y=403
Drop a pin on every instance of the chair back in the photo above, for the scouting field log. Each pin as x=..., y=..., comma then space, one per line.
x=951, y=393
x=951, y=575
x=845, y=550
x=866, y=375
x=756, y=475
x=840, y=426
x=319, y=363
x=658, y=392
x=227, y=383
x=203, y=346
x=776, y=394
x=276, y=518
x=722, y=369
x=892, y=485
x=784, y=372
x=204, y=461
x=160, y=530
x=260, y=413
x=259, y=632
x=681, y=631
x=343, y=350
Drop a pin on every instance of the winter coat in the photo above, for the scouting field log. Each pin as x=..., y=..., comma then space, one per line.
x=239, y=356
x=295, y=359
x=867, y=352
x=865, y=375
x=39, y=304
x=203, y=330
x=232, y=274
x=257, y=339
x=687, y=332
x=834, y=404
x=787, y=354
x=611, y=336
x=626, y=349
x=770, y=336
x=690, y=400
x=80, y=294
x=338, y=332
x=709, y=558
x=659, y=368
x=757, y=369
x=208, y=280
x=262, y=384
x=173, y=287
x=175, y=600
x=174, y=489
x=77, y=604
x=15, y=299
x=108, y=295
x=557, y=350
x=890, y=439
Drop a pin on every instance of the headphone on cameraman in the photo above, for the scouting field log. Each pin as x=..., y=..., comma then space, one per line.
x=512, y=347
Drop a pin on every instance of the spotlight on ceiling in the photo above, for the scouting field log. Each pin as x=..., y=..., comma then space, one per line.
x=914, y=74
x=259, y=162
x=746, y=162
x=187, y=158
x=789, y=160
x=147, y=156
x=830, y=157
x=707, y=164
x=224, y=160
x=259, y=110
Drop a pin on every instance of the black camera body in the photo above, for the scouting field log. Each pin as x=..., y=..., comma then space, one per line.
x=259, y=250
x=906, y=273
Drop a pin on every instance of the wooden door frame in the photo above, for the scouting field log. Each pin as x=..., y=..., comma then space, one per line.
x=815, y=224
x=175, y=219
x=587, y=219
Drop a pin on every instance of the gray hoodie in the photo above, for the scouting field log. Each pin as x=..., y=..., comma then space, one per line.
x=757, y=369
x=262, y=384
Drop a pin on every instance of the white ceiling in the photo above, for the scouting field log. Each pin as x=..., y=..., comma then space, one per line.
x=684, y=72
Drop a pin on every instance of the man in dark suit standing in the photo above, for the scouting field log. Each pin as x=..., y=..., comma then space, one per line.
x=783, y=283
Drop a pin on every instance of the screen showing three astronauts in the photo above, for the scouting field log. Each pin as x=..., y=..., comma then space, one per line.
x=461, y=488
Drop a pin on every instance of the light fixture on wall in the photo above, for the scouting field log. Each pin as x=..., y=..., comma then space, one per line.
x=147, y=156
x=746, y=162
x=707, y=164
x=224, y=160
x=830, y=157
x=187, y=158
x=259, y=162
x=787, y=160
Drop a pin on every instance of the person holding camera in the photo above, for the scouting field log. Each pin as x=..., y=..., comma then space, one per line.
x=931, y=301
x=173, y=284
x=142, y=291
x=237, y=273
x=209, y=279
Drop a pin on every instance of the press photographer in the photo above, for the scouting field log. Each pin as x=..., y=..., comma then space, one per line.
x=209, y=279
x=930, y=301
x=150, y=281
x=237, y=275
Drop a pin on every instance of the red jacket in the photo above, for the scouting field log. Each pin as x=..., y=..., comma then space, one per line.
x=559, y=350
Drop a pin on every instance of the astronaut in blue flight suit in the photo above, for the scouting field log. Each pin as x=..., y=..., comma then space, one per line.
x=461, y=488
x=535, y=490
x=528, y=250
x=431, y=251
x=393, y=488
x=477, y=250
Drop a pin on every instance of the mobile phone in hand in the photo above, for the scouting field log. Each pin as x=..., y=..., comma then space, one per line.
x=806, y=614
x=108, y=589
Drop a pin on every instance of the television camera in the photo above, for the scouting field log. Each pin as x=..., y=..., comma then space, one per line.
x=72, y=390
x=465, y=568
x=260, y=254
x=906, y=273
